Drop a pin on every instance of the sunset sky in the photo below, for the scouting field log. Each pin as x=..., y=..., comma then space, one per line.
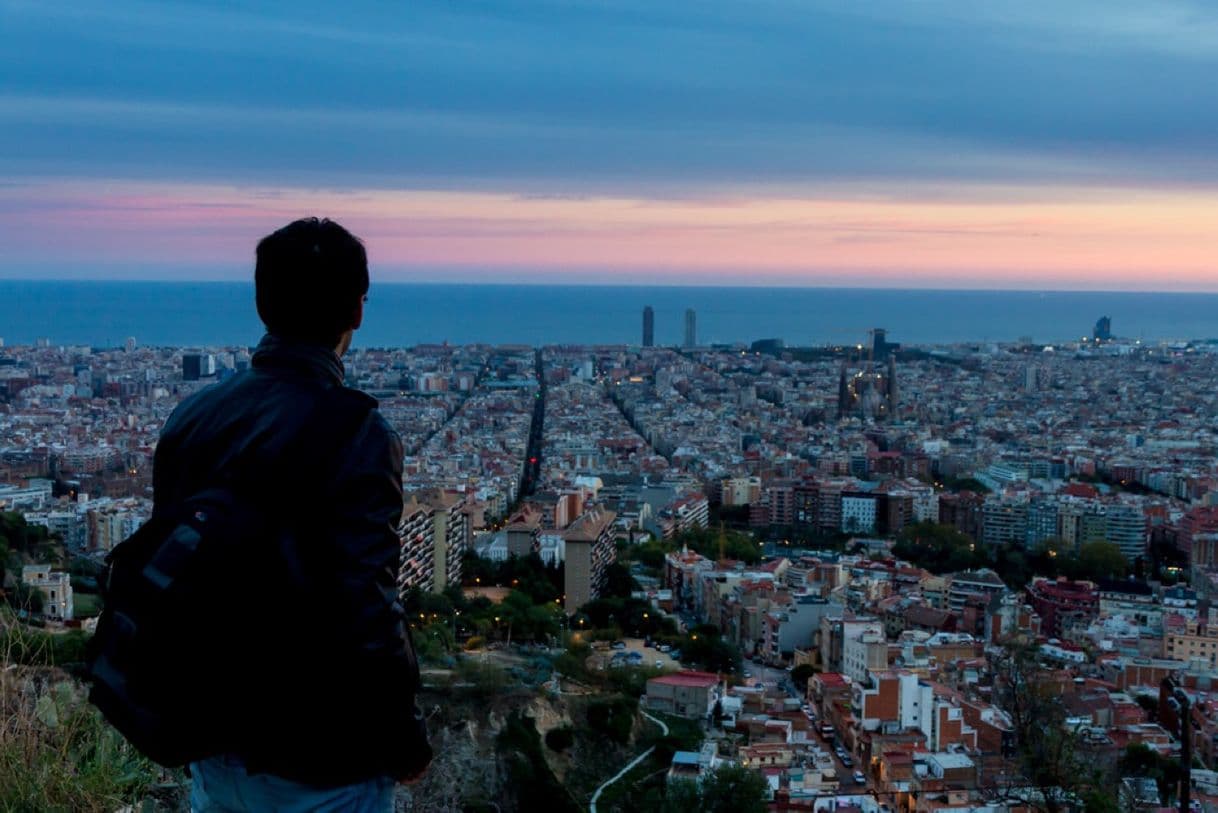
x=937, y=143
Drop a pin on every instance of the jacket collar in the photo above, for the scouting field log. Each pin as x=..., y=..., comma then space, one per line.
x=313, y=360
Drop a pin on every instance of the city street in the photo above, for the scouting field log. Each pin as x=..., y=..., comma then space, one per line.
x=780, y=678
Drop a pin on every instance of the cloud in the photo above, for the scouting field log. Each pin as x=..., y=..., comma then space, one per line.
x=579, y=97
x=1075, y=238
x=776, y=140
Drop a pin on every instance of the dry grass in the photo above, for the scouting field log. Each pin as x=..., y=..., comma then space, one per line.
x=56, y=751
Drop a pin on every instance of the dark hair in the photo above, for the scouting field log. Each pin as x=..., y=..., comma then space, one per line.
x=309, y=279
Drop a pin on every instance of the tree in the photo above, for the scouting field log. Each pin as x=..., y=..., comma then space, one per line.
x=706, y=649
x=728, y=789
x=532, y=783
x=24, y=597
x=1101, y=560
x=1139, y=759
x=938, y=548
x=613, y=717
x=618, y=581
x=800, y=675
x=1052, y=766
x=708, y=542
x=561, y=738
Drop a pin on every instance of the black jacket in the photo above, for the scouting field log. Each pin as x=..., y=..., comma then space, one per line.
x=328, y=669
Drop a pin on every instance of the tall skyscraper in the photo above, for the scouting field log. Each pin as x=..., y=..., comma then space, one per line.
x=879, y=343
x=1103, y=329
x=649, y=327
x=691, y=328
x=894, y=395
x=192, y=366
x=844, y=399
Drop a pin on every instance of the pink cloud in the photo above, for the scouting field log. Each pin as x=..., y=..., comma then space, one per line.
x=1061, y=238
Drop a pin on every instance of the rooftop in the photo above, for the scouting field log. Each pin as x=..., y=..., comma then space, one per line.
x=687, y=678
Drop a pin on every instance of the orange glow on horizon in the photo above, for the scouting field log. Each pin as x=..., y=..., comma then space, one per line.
x=1053, y=238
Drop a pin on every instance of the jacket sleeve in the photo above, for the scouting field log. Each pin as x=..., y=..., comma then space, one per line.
x=370, y=619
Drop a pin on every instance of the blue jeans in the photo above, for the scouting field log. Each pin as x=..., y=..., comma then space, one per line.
x=221, y=785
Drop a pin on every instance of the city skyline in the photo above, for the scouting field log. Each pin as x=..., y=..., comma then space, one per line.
x=799, y=144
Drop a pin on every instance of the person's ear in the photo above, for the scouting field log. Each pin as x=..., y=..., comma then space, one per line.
x=358, y=317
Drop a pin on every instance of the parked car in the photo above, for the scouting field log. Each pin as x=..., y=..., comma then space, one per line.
x=847, y=761
x=663, y=647
x=659, y=664
x=859, y=779
x=619, y=644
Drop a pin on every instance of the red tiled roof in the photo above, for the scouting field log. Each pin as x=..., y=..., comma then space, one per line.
x=687, y=679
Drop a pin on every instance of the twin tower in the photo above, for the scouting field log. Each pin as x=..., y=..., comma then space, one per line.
x=649, y=327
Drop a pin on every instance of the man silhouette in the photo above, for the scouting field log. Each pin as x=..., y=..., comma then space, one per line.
x=317, y=710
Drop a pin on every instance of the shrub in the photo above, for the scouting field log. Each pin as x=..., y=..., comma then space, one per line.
x=56, y=751
x=613, y=717
x=560, y=739
x=531, y=780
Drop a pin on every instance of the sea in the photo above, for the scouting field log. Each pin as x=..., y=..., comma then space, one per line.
x=105, y=314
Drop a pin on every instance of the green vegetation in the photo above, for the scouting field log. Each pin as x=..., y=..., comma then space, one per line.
x=87, y=605
x=704, y=648
x=972, y=484
x=683, y=735
x=56, y=751
x=23, y=597
x=21, y=541
x=26, y=646
x=483, y=680
x=800, y=676
x=527, y=574
x=938, y=548
x=736, y=545
x=791, y=536
x=632, y=681
x=613, y=717
x=531, y=781
x=560, y=739
x=632, y=616
x=21, y=544
x=444, y=623
x=1056, y=763
x=943, y=549
x=729, y=789
x=642, y=789
x=1141, y=760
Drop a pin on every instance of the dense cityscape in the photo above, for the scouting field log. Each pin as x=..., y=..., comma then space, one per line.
x=867, y=577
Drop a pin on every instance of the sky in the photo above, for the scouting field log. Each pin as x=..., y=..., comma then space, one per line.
x=898, y=143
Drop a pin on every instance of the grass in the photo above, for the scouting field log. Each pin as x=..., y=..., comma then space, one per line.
x=86, y=605
x=56, y=751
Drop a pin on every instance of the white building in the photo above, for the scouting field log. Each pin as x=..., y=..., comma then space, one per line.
x=858, y=514
x=56, y=589
x=35, y=496
x=552, y=547
x=864, y=647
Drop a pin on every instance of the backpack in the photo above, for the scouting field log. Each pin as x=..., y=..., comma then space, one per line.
x=176, y=651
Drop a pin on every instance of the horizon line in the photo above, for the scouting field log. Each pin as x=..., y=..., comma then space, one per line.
x=643, y=285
